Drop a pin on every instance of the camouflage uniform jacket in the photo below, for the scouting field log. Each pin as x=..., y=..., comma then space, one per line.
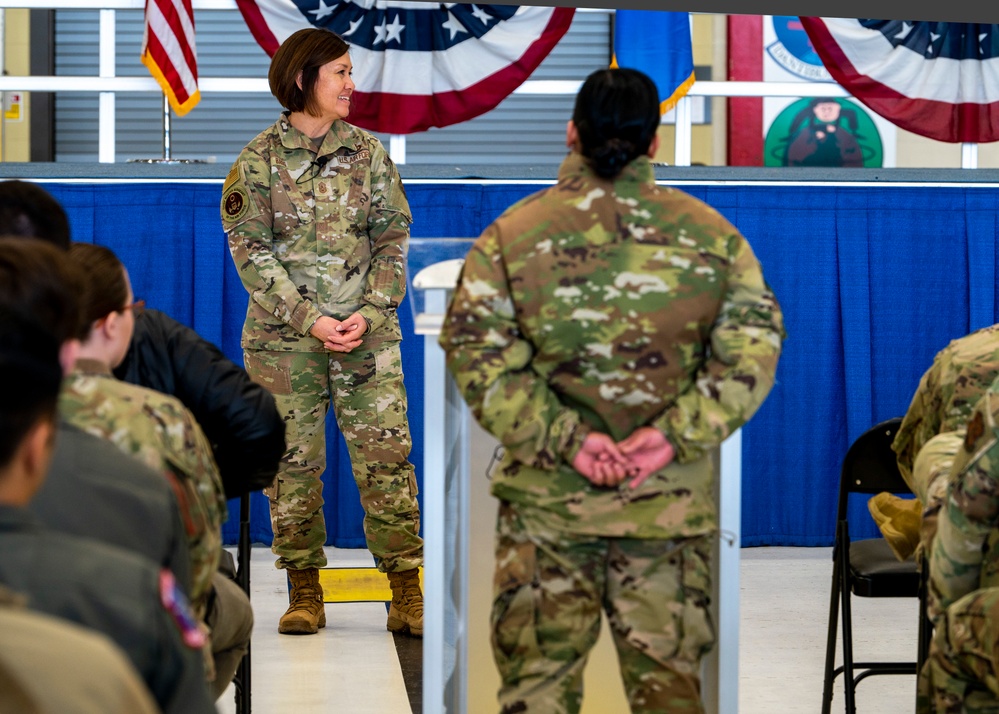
x=609, y=305
x=159, y=431
x=312, y=238
x=965, y=552
x=947, y=393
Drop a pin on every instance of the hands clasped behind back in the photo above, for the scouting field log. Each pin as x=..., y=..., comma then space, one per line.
x=605, y=462
x=337, y=335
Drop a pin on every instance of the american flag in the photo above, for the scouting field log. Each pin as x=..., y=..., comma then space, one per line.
x=417, y=64
x=169, y=52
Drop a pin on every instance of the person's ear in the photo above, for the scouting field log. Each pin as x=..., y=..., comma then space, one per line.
x=106, y=326
x=653, y=145
x=37, y=452
x=68, y=353
x=298, y=79
x=571, y=134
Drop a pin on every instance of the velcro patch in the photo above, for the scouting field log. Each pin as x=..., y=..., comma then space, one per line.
x=975, y=429
x=235, y=203
x=175, y=602
x=231, y=178
x=348, y=159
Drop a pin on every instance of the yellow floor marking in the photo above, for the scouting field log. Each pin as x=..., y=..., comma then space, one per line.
x=356, y=585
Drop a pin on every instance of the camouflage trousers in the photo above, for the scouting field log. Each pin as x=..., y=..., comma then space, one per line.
x=961, y=674
x=369, y=401
x=549, y=590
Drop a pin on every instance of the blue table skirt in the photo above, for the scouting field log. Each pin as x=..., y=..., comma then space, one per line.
x=873, y=281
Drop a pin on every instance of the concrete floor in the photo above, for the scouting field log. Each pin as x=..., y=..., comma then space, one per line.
x=352, y=665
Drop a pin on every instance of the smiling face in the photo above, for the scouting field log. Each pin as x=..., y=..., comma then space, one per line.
x=331, y=94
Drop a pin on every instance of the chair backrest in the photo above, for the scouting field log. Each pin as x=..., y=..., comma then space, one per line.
x=870, y=465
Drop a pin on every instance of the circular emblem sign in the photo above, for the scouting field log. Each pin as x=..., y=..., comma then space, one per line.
x=823, y=131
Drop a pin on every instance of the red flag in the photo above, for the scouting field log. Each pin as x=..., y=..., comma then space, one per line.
x=168, y=51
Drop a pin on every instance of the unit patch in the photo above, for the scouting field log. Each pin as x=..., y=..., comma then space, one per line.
x=235, y=203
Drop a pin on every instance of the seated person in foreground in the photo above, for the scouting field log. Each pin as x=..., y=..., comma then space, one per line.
x=52, y=666
x=931, y=434
x=161, y=432
x=962, y=671
x=238, y=416
x=125, y=596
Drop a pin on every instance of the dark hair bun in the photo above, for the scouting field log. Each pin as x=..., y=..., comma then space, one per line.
x=614, y=155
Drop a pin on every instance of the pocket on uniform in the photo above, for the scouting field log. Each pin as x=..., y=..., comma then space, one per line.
x=697, y=627
x=513, y=618
x=268, y=370
x=391, y=405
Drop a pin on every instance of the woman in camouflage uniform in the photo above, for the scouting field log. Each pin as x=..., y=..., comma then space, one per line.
x=318, y=227
x=161, y=432
x=610, y=333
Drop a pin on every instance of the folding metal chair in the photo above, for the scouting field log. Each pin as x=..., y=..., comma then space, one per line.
x=868, y=568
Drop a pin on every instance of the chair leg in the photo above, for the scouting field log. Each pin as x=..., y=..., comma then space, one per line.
x=242, y=679
x=925, y=626
x=832, y=635
x=849, y=685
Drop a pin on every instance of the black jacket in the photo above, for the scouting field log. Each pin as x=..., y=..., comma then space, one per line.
x=238, y=416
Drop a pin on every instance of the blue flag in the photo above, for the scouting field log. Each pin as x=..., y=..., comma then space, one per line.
x=657, y=43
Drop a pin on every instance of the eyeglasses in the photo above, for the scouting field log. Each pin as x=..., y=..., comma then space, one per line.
x=136, y=307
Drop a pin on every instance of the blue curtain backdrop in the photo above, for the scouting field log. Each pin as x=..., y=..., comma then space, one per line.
x=873, y=281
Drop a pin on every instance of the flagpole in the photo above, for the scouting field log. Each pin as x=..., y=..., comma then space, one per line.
x=166, y=128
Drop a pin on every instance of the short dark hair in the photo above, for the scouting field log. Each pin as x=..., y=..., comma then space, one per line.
x=303, y=51
x=29, y=211
x=616, y=115
x=105, y=288
x=41, y=282
x=39, y=311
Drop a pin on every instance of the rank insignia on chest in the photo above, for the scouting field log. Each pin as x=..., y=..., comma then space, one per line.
x=323, y=189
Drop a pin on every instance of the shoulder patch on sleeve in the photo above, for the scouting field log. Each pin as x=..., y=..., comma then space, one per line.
x=176, y=604
x=237, y=205
x=231, y=178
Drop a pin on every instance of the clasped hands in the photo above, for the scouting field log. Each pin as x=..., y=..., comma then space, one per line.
x=605, y=462
x=340, y=335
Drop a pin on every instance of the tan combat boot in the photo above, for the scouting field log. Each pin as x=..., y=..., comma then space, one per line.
x=306, y=613
x=899, y=520
x=406, y=611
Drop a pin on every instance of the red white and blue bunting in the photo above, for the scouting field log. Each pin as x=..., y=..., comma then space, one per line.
x=416, y=64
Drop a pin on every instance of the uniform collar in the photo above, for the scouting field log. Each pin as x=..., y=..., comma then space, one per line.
x=14, y=518
x=341, y=134
x=92, y=367
x=638, y=171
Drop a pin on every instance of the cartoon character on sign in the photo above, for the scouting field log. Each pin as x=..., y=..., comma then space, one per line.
x=823, y=132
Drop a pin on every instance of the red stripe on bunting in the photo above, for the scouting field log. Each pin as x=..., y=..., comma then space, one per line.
x=409, y=113
x=258, y=26
x=943, y=121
